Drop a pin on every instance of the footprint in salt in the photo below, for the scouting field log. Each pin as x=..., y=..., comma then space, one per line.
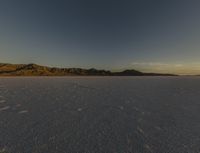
x=121, y=107
x=79, y=109
x=140, y=130
x=4, y=108
x=23, y=111
x=3, y=150
x=2, y=101
x=146, y=146
x=158, y=128
x=18, y=105
x=136, y=109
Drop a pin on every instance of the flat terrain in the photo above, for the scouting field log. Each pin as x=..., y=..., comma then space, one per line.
x=100, y=115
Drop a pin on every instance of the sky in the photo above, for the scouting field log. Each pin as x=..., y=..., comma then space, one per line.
x=148, y=35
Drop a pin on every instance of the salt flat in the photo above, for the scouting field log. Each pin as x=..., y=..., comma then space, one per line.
x=100, y=115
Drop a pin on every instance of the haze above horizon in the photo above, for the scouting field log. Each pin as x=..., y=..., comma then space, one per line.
x=152, y=36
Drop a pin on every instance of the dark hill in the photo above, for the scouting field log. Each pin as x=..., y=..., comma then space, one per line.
x=129, y=73
x=37, y=70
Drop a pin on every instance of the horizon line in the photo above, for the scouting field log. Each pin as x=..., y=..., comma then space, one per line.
x=110, y=70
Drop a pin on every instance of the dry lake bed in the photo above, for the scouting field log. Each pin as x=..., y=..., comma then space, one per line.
x=100, y=115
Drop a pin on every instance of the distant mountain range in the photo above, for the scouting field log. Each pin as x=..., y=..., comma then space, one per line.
x=38, y=70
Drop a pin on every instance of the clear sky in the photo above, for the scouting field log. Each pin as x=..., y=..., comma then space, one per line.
x=149, y=35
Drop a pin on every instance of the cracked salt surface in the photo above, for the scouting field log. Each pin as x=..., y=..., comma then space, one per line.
x=100, y=114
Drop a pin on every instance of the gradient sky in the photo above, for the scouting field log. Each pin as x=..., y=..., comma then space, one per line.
x=149, y=35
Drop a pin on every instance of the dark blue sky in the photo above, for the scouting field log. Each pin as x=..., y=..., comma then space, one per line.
x=150, y=35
